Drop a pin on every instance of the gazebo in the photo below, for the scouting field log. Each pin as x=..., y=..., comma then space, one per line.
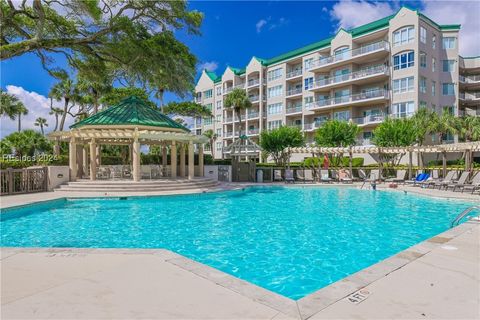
x=132, y=122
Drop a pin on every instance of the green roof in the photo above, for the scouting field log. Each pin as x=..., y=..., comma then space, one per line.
x=213, y=76
x=130, y=111
x=355, y=32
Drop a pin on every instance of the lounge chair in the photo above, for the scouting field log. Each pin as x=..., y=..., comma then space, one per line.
x=289, y=176
x=473, y=185
x=419, y=178
x=399, y=178
x=362, y=175
x=146, y=172
x=422, y=180
x=344, y=176
x=116, y=172
x=277, y=175
x=308, y=175
x=461, y=181
x=374, y=176
x=325, y=176
x=299, y=174
x=103, y=173
x=447, y=180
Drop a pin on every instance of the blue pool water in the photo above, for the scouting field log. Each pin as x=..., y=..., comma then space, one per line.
x=292, y=241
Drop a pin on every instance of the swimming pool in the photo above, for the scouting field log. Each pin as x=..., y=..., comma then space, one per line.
x=290, y=240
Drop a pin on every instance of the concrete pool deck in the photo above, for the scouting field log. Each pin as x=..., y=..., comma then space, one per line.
x=437, y=278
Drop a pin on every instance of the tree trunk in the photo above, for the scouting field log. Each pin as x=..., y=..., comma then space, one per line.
x=19, y=122
x=160, y=98
x=41, y=129
x=64, y=115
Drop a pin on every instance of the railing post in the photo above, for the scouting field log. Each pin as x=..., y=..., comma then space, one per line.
x=25, y=176
x=45, y=178
x=10, y=180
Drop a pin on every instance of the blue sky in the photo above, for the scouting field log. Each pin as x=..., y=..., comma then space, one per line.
x=232, y=32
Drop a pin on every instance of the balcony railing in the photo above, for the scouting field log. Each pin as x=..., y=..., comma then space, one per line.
x=350, y=76
x=469, y=96
x=253, y=82
x=380, y=45
x=228, y=134
x=228, y=90
x=347, y=99
x=401, y=115
x=228, y=119
x=295, y=125
x=253, y=131
x=313, y=125
x=369, y=119
x=252, y=115
x=294, y=73
x=254, y=98
x=294, y=109
x=470, y=79
x=294, y=91
x=364, y=142
x=240, y=86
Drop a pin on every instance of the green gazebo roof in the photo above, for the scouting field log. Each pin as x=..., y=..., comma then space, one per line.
x=130, y=111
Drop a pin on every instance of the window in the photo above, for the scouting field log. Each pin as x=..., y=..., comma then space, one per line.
x=219, y=91
x=423, y=104
x=308, y=63
x=423, y=85
x=275, y=108
x=308, y=83
x=308, y=100
x=274, y=124
x=403, y=36
x=423, y=59
x=198, y=122
x=208, y=93
x=434, y=41
x=449, y=43
x=219, y=132
x=448, y=89
x=342, y=53
x=403, y=60
x=219, y=104
x=434, y=64
x=341, y=115
x=218, y=118
x=207, y=121
x=219, y=146
x=448, y=65
x=434, y=85
x=403, y=85
x=403, y=109
x=274, y=91
x=209, y=107
x=423, y=35
x=274, y=74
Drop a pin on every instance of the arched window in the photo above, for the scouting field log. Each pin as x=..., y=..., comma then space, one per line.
x=403, y=36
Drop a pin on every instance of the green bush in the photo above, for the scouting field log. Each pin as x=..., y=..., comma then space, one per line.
x=315, y=162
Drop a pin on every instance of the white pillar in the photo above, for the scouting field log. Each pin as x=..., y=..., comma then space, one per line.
x=200, y=159
x=93, y=160
x=85, y=160
x=164, y=155
x=191, y=159
x=173, y=160
x=72, y=157
x=136, y=160
x=182, y=160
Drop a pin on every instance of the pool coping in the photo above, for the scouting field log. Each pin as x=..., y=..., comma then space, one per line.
x=303, y=308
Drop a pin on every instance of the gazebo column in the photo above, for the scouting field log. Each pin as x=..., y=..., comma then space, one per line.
x=182, y=160
x=191, y=161
x=85, y=160
x=136, y=160
x=200, y=159
x=173, y=159
x=72, y=157
x=93, y=160
x=164, y=155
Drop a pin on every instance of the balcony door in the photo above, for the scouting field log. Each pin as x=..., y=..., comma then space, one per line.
x=342, y=96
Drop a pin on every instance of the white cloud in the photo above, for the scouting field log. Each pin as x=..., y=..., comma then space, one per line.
x=350, y=14
x=458, y=12
x=208, y=65
x=37, y=105
x=282, y=21
x=260, y=24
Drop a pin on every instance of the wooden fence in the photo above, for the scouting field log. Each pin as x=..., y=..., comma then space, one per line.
x=28, y=180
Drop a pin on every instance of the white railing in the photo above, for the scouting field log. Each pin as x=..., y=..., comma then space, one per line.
x=313, y=125
x=350, y=76
x=229, y=119
x=371, y=47
x=254, y=98
x=294, y=109
x=252, y=115
x=253, y=131
x=295, y=91
x=228, y=90
x=470, y=79
x=228, y=134
x=294, y=73
x=240, y=86
x=364, y=142
x=294, y=125
x=348, y=99
x=401, y=115
x=254, y=82
x=469, y=96
x=369, y=119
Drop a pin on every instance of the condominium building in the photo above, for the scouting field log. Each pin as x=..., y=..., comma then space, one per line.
x=389, y=67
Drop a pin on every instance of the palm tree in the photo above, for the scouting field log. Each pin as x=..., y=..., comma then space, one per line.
x=12, y=108
x=21, y=111
x=447, y=124
x=41, y=122
x=470, y=128
x=212, y=136
x=66, y=90
x=238, y=100
x=425, y=123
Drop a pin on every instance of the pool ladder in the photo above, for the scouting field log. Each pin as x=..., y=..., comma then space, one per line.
x=463, y=214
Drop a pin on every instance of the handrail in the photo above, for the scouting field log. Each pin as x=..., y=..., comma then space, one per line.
x=463, y=214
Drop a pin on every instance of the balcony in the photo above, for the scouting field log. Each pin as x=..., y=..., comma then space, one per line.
x=228, y=90
x=294, y=74
x=364, y=142
x=470, y=82
x=295, y=125
x=255, y=98
x=365, y=52
x=252, y=132
x=313, y=125
x=294, y=92
x=253, y=115
x=372, y=119
x=401, y=115
x=354, y=99
x=253, y=83
x=359, y=77
x=240, y=86
x=469, y=98
x=228, y=120
x=228, y=134
x=294, y=109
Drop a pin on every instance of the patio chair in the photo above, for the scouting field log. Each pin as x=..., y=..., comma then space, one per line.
x=362, y=175
x=474, y=184
x=277, y=175
x=146, y=172
x=421, y=179
x=447, y=180
x=461, y=181
x=116, y=172
x=126, y=171
x=289, y=176
x=156, y=172
x=374, y=176
x=399, y=178
x=103, y=173
x=344, y=176
x=308, y=175
x=325, y=176
x=299, y=174
x=418, y=177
